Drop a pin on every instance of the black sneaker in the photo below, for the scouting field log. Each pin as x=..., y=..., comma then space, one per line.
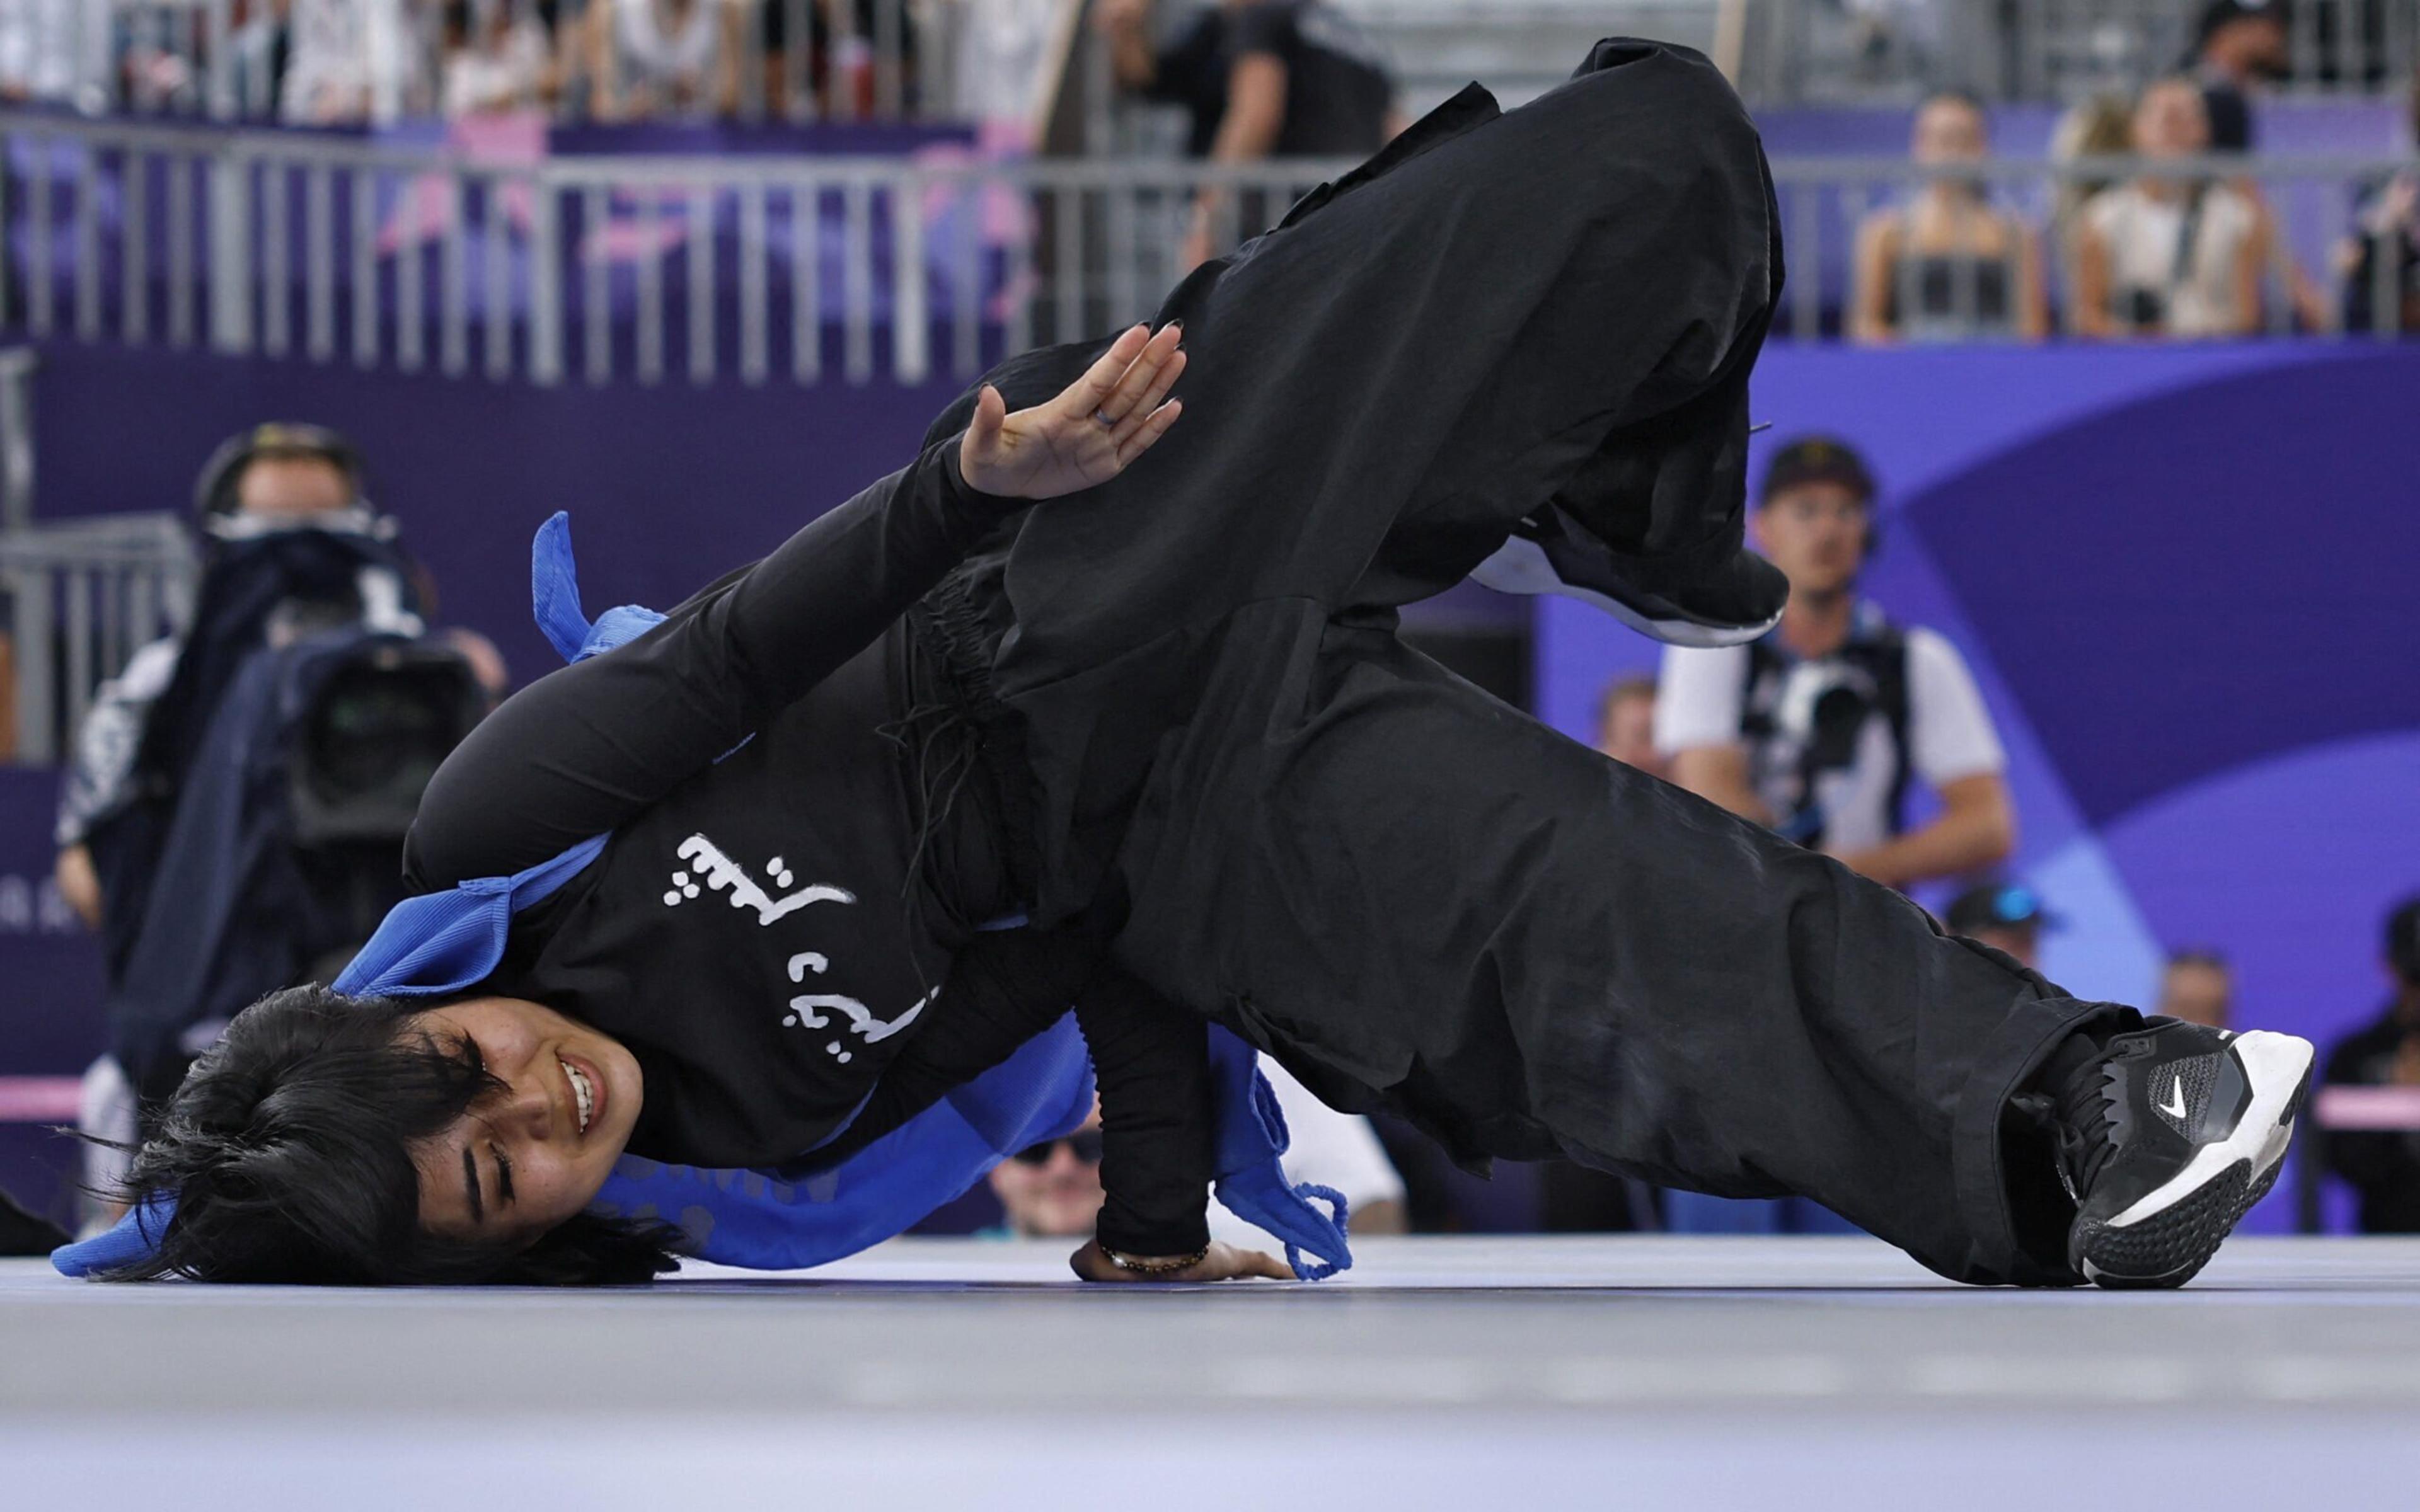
x=2168, y=1139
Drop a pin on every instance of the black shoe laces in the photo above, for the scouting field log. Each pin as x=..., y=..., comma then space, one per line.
x=2086, y=1132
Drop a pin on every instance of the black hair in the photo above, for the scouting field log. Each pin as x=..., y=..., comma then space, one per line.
x=288, y=1152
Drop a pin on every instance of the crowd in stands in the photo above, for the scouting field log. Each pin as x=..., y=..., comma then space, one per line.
x=2183, y=254
x=339, y=62
x=2197, y=252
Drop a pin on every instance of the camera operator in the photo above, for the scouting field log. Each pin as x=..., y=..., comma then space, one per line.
x=1816, y=729
x=237, y=796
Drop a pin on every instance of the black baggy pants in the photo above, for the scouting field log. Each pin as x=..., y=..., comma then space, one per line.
x=1416, y=898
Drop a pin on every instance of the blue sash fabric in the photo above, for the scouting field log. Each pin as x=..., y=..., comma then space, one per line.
x=446, y=942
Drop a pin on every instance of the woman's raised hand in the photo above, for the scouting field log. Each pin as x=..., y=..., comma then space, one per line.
x=1088, y=434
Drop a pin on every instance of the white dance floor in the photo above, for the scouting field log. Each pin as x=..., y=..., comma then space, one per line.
x=1613, y=1372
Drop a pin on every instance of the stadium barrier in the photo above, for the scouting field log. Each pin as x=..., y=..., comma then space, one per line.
x=750, y=268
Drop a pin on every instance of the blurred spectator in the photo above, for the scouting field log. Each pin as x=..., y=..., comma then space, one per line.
x=1816, y=729
x=353, y=61
x=2102, y=127
x=844, y=41
x=2387, y=233
x=1054, y=1190
x=1006, y=60
x=1947, y=267
x=651, y=59
x=1259, y=79
x=1625, y=725
x=2165, y=256
x=162, y=64
x=2198, y=986
x=496, y=59
x=2239, y=46
x=2383, y=1166
x=2006, y=915
x=44, y=46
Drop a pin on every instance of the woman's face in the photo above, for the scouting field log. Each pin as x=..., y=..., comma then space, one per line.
x=528, y=1158
x=1949, y=130
x=2171, y=121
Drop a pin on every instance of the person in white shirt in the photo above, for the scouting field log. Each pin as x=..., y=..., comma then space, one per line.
x=664, y=59
x=354, y=61
x=1817, y=728
x=2170, y=257
x=51, y=48
x=498, y=60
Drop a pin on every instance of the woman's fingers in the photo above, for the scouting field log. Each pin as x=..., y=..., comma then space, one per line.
x=1154, y=425
x=1134, y=378
x=1269, y=1265
x=1161, y=380
x=1136, y=381
x=991, y=412
x=1085, y=395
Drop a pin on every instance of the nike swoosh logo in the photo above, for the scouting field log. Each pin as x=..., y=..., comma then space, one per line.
x=2174, y=1108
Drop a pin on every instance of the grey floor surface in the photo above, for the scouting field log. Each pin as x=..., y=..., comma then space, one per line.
x=1446, y=1373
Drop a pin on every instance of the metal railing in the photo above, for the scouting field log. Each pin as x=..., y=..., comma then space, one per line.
x=597, y=270
x=590, y=269
x=78, y=598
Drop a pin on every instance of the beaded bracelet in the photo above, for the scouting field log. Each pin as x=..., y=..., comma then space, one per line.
x=1165, y=1266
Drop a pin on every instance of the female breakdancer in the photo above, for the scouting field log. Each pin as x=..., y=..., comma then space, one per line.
x=1167, y=718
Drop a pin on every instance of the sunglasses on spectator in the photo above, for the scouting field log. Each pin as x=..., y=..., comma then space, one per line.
x=1085, y=1146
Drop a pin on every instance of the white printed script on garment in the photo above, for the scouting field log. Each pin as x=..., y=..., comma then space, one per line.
x=709, y=869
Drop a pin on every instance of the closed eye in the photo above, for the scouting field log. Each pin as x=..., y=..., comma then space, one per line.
x=503, y=1175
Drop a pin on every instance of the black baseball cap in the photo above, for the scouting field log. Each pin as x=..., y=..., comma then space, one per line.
x=1999, y=905
x=1817, y=459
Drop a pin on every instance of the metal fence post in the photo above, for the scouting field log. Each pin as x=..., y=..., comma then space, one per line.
x=230, y=241
x=911, y=332
x=545, y=285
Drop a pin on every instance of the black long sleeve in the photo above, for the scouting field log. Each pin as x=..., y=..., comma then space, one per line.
x=1156, y=1141
x=1152, y=1056
x=584, y=750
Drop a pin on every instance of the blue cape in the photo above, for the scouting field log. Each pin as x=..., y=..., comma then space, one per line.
x=444, y=942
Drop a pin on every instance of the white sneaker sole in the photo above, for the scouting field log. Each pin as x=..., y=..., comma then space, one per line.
x=1520, y=566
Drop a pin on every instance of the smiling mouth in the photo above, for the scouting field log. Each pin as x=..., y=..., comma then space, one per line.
x=583, y=1095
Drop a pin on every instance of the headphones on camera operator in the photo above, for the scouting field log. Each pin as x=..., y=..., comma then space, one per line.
x=218, y=491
